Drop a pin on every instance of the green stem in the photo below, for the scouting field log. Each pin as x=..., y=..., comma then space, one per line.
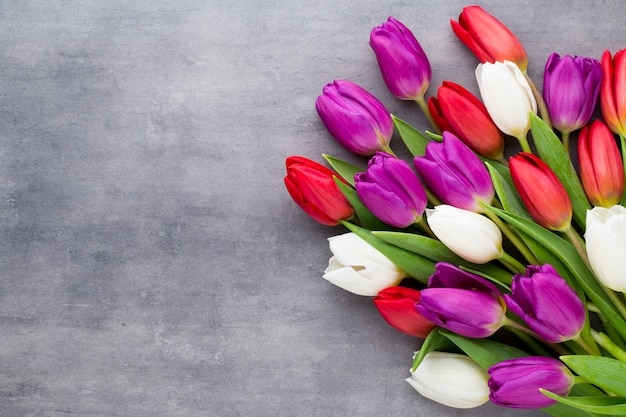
x=423, y=225
x=565, y=139
x=514, y=325
x=541, y=104
x=513, y=264
x=424, y=107
x=523, y=141
x=590, y=348
x=513, y=237
x=605, y=341
x=388, y=150
x=578, y=244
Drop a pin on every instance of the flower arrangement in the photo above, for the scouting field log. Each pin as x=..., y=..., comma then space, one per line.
x=510, y=270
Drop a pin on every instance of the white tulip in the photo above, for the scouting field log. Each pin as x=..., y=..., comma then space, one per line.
x=606, y=245
x=451, y=379
x=470, y=235
x=507, y=96
x=358, y=267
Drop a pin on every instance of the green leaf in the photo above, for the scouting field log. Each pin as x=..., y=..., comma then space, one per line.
x=485, y=352
x=414, y=265
x=434, y=341
x=610, y=406
x=413, y=139
x=436, y=251
x=507, y=194
x=606, y=373
x=345, y=169
x=366, y=217
x=552, y=152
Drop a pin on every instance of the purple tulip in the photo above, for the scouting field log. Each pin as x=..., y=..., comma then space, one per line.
x=548, y=305
x=571, y=86
x=462, y=302
x=391, y=190
x=354, y=117
x=515, y=383
x=455, y=174
x=402, y=61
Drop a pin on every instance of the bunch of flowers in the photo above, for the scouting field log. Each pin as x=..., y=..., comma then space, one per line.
x=510, y=270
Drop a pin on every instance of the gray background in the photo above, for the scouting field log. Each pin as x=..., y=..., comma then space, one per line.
x=152, y=262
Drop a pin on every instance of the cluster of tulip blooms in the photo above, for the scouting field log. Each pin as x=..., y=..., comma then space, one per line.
x=510, y=270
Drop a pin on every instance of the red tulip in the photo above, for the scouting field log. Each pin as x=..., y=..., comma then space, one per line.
x=601, y=166
x=313, y=188
x=613, y=91
x=541, y=191
x=457, y=110
x=397, y=306
x=488, y=38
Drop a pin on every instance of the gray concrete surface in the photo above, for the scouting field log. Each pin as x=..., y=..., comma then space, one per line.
x=152, y=262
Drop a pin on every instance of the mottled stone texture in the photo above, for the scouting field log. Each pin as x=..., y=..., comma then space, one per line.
x=152, y=262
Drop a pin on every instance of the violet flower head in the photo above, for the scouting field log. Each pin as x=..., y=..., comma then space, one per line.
x=462, y=302
x=571, y=87
x=391, y=190
x=455, y=174
x=402, y=61
x=548, y=305
x=515, y=383
x=354, y=117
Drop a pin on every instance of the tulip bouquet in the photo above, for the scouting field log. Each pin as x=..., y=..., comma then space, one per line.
x=509, y=271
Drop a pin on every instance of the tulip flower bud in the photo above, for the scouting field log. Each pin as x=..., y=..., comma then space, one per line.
x=549, y=306
x=488, y=38
x=601, y=166
x=402, y=61
x=515, y=383
x=570, y=89
x=391, y=190
x=541, y=191
x=606, y=245
x=457, y=110
x=397, y=306
x=455, y=174
x=358, y=267
x=462, y=302
x=613, y=91
x=507, y=97
x=313, y=188
x=355, y=118
x=451, y=379
x=470, y=235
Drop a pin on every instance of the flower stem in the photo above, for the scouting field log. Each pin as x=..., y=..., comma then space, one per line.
x=517, y=326
x=541, y=104
x=388, y=150
x=565, y=139
x=578, y=244
x=605, y=341
x=424, y=107
x=523, y=141
x=510, y=262
x=590, y=348
x=514, y=238
x=423, y=225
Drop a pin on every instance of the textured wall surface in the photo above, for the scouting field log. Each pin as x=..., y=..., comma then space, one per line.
x=152, y=263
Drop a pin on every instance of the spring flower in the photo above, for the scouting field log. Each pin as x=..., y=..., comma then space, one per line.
x=613, y=91
x=462, y=302
x=358, y=267
x=402, y=61
x=391, y=190
x=606, y=245
x=354, y=117
x=571, y=86
x=451, y=379
x=515, y=383
x=548, y=305
x=457, y=110
x=455, y=174
x=507, y=96
x=397, y=306
x=488, y=38
x=470, y=235
x=601, y=166
x=312, y=187
x=541, y=191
